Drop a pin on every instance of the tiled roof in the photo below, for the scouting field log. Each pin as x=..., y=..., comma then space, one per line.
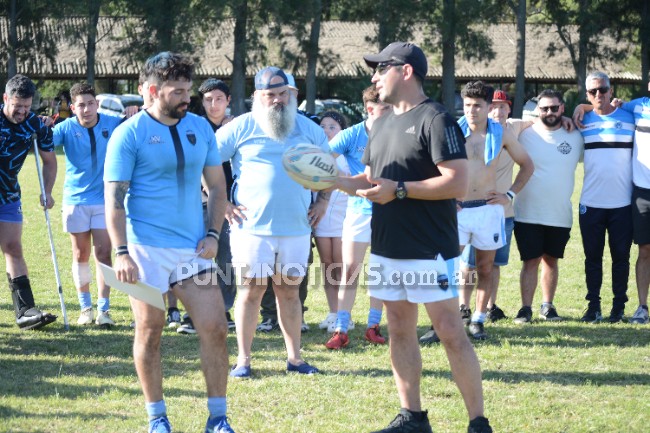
x=346, y=41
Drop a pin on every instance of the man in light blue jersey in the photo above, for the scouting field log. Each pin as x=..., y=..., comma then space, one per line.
x=154, y=168
x=605, y=203
x=270, y=215
x=351, y=143
x=84, y=138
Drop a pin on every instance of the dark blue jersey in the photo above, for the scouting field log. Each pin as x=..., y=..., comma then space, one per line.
x=15, y=143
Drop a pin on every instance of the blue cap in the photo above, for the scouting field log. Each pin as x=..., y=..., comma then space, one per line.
x=263, y=78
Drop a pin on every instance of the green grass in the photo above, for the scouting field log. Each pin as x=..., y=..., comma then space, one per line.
x=551, y=377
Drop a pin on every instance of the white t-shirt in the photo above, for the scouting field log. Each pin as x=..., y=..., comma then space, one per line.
x=546, y=198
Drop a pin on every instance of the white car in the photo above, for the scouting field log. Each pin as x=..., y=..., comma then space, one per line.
x=116, y=104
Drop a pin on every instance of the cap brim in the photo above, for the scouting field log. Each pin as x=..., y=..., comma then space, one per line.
x=373, y=60
x=500, y=100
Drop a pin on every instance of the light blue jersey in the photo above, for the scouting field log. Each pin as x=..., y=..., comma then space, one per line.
x=607, y=159
x=164, y=165
x=276, y=204
x=85, y=151
x=351, y=143
x=640, y=108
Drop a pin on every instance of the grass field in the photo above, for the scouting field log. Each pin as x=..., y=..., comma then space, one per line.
x=548, y=377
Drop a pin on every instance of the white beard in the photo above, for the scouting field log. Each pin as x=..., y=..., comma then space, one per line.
x=276, y=121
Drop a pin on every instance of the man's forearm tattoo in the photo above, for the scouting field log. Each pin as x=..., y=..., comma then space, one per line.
x=324, y=195
x=119, y=193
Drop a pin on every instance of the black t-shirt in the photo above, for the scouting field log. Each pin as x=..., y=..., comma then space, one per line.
x=227, y=170
x=407, y=147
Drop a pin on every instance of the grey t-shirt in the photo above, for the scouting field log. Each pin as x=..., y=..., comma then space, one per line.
x=407, y=147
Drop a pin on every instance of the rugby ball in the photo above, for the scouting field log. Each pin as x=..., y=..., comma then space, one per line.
x=308, y=165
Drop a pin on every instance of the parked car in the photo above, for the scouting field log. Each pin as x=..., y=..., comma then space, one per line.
x=116, y=104
x=348, y=110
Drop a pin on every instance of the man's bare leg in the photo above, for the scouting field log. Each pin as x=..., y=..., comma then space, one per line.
x=149, y=322
x=249, y=298
x=289, y=314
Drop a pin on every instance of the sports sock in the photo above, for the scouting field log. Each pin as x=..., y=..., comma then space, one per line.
x=479, y=317
x=156, y=409
x=217, y=406
x=85, y=300
x=374, y=317
x=103, y=304
x=343, y=320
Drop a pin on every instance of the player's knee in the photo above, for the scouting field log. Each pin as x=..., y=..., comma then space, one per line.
x=13, y=248
x=81, y=274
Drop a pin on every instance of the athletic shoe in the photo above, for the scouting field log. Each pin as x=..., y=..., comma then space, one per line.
x=104, y=319
x=524, y=316
x=329, y=320
x=495, y=314
x=374, y=336
x=187, y=326
x=430, y=337
x=218, y=425
x=243, y=372
x=86, y=317
x=477, y=331
x=480, y=424
x=231, y=323
x=304, y=327
x=173, y=317
x=332, y=327
x=640, y=316
x=616, y=315
x=592, y=315
x=548, y=312
x=303, y=368
x=160, y=425
x=268, y=325
x=405, y=422
x=338, y=341
x=465, y=314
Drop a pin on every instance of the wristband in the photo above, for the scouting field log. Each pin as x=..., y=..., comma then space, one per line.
x=122, y=250
x=511, y=195
x=212, y=233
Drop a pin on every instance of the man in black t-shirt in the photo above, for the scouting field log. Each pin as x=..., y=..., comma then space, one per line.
x=417, y=166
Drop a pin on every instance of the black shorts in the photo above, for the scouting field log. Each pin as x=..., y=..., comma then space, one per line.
x=535, y=240
x=641, y=215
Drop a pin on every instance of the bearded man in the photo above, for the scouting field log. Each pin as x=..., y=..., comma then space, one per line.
x=270, y=215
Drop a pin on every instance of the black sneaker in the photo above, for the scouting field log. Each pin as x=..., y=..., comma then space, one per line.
x=187, y=327
x=405, y=422
x=173, y=317
x=480, y=424
x=616, y=315
x=477, y=331
x=465, y=314
x=592, y=315
x=429, y=337
x=231, y=323
x=548, y=312
x=495, y=314
x=525, y=315
x=268, y=325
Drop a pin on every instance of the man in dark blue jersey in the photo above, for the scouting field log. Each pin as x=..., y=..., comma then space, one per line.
x=17, y=126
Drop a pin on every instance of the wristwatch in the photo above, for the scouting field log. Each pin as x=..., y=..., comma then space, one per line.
x=400, y=191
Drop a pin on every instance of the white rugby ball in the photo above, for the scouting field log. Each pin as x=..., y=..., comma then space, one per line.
x=308, y=165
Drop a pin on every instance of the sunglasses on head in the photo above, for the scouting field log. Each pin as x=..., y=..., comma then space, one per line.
x=602, y=90
x=551, y=108
x=382, y=68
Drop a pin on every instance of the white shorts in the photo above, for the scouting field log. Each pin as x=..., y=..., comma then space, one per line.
x=416, y=281
x=331, y=225
x=258, y=256
x=356, y=227
x=482, y=227
x=83, y=218
x=164, y=267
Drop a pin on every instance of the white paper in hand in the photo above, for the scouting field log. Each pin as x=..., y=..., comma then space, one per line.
x=139, y=290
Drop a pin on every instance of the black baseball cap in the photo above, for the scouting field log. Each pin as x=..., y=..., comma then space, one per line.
x=401, y=52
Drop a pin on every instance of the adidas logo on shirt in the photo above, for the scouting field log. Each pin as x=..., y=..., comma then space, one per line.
x=410, y=130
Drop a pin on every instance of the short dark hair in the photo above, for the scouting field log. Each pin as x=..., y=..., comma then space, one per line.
x=168, y=66
x=142, y=77
x=213, y=84
x=370, y=94
x=336, y=116
x=81, y=89
x=20, y=86
x=478, y=90
x=551, y=93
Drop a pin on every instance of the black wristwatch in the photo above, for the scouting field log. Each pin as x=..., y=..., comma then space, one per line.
x=400, y=191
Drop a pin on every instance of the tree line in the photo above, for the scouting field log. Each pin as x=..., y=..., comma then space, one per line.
x=452, y=28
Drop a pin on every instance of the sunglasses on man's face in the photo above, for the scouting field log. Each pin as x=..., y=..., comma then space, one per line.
x=382, y=68
x=551, y=108
x=602, y=90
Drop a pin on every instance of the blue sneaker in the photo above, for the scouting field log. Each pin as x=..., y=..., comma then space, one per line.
x=218, y=425
x=160, y=425
x=302, y=368
x=243, y=372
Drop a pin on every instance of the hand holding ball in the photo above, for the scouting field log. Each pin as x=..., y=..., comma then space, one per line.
x=312, y=168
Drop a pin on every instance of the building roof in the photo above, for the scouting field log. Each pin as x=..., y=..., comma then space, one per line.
x=345, y=42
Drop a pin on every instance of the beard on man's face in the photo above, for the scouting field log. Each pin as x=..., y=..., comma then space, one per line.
x=552, y=120
x=278, y=120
